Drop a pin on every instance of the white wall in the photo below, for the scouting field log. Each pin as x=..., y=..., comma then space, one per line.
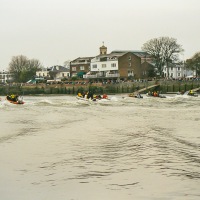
x=174, y=72
x=4, y=76
x=42, y=73
x=60, y=75
x=107, y=68
x=178, y=73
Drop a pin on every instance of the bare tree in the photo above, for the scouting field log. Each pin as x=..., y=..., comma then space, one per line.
x=22, y=68
x=164, y=50
x=67, y=64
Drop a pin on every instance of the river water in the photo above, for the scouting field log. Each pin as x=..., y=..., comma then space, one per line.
x=61, y=148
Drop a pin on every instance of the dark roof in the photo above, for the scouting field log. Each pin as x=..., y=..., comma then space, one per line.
x=58, y=68
x=111, y=54
x=118, y=53
x=136, y=52
x=82, y=58
x=151, y=63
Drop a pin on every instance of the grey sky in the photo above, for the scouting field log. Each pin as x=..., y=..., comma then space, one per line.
x=54, y=31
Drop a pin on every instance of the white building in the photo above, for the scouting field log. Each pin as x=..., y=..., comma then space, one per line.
x=177, y=72
x=104, y=66
x=56, y=73
x=42, y=73
x=5, y=77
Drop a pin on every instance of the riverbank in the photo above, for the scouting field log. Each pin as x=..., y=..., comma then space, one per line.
x=117, y=88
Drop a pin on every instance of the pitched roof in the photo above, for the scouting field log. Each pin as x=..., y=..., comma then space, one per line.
x=58, y=68
x=150, y=62
x=82, y=58
x=136, y=52
x=112, y=54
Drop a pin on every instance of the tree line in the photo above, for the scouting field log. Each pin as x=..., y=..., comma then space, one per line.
x=163, y=50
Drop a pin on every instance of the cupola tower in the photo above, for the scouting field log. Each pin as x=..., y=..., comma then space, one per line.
x=103, y=49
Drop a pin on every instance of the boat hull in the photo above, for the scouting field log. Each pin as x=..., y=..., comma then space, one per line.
x=15, y=102
x=159, y=96
x=85, y=99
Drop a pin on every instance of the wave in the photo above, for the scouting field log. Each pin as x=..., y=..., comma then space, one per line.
x=120, y=100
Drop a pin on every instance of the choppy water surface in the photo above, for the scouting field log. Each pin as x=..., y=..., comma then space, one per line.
x=58, y=147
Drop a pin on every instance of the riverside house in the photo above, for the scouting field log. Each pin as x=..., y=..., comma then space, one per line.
x=5, y=77
x=178, y=71
x=54, y=73
x=80, y=66
x=120, y=64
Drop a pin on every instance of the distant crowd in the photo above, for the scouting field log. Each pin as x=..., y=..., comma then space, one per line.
x=101, y=82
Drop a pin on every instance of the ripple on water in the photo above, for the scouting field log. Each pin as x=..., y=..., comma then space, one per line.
x=128, y=147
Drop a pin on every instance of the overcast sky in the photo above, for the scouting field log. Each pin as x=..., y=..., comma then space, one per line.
x=54, y=31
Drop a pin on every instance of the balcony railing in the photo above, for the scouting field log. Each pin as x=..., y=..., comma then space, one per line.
x=90, y=76
x=112, y=75
x=101, y=76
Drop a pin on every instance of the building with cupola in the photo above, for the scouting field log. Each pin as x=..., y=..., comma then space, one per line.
x=120, y=64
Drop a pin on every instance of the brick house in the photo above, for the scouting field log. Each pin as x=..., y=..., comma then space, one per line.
x=80, y=66
x=119, y=65
x=148, y=69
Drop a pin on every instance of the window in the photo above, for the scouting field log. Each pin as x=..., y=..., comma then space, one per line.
x=103, y=65
x=171, y=68
x=129, y=64
x=179, y=74
x=94, y=66
x=73, y=68
x=82, y=67
x=171, y=74
x=179, y=68
x=129, y=57
x=113, y=58
x=63, y=74
x=130, y=73
x=103, y=59
x=113, y=64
